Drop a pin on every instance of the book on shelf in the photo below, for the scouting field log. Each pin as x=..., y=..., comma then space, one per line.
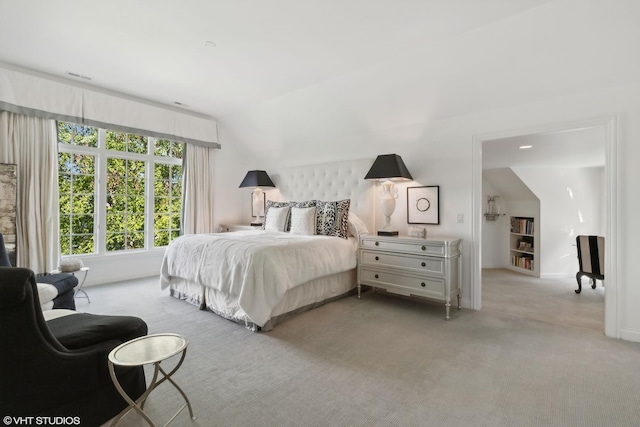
x=525, y=262
x=522, y=225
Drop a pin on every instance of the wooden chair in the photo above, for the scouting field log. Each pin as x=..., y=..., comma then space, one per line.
x=590, y=259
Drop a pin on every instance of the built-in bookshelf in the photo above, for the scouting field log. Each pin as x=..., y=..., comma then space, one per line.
x=522, y=245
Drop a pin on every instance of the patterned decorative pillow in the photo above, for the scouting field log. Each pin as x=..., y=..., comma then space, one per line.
x=277, y=219
x=332, y=218
x=303, y=221
x=307, y=204
x=269, y=204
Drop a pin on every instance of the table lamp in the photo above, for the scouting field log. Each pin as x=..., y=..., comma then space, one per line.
x=257, y=179
x=388, y=168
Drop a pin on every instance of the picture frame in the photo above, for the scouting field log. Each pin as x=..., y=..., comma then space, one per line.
x=8, y=208
x=423, y=205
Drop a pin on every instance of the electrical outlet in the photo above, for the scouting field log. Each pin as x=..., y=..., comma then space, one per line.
x=460, y=217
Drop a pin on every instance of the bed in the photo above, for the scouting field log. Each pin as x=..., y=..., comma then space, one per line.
x=261, y=278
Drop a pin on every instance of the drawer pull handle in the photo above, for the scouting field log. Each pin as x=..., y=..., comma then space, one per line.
x=424, y=248
x=376, y=276
x=424, y=264
x=377, y=243
x=377, y=258
x=423, y=284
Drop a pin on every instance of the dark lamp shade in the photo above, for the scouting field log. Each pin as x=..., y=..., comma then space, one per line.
x=257, y=179
x=388, y=166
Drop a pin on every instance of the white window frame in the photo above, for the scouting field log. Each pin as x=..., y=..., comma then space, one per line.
x=101, y=154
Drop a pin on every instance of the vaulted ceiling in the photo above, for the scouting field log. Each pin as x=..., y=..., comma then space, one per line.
x=279, y=73
x=217, y=57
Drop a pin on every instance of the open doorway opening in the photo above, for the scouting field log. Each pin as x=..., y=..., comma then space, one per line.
x=485, y=145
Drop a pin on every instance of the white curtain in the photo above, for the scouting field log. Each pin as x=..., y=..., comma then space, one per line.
x=30, y=143
x=197, y=179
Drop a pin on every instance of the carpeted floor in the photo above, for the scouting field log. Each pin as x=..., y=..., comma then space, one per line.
x=535, y=355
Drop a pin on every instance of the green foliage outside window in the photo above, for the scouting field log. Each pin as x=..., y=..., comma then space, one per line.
x=167, y=203
x=124, y=183
x=127, y=142
x=84, y=136
x=125, y=204
x=77, y=203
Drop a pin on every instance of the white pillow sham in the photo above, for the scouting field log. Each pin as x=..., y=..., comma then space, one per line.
x=355, y=225
x=303, y=221
x=277, y=219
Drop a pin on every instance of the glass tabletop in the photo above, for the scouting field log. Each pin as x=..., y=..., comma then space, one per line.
x=148, y=349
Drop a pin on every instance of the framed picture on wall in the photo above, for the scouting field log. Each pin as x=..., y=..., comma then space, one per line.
x=423, y=205
x=8, y=194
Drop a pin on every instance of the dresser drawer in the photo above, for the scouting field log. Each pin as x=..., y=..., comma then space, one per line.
x=404, y=284
x=420, y=246
x=432, y=265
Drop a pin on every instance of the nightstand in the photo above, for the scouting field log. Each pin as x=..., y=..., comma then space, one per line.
x=425, y=267
x=238, y=227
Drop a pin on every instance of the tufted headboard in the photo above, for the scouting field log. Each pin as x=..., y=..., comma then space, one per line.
x=329, y=182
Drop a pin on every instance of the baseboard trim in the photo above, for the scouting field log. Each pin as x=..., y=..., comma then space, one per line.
x=630, y=335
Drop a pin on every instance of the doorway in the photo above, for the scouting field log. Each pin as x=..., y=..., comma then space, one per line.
x=608, y=126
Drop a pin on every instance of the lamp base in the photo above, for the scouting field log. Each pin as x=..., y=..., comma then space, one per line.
x=387, y=232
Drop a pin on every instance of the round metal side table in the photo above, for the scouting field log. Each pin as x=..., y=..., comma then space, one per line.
x=149, y=349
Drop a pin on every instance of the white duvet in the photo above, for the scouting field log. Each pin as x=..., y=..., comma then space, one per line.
x=256, y=267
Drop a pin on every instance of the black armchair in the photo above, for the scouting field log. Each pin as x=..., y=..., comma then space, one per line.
x=40, y=376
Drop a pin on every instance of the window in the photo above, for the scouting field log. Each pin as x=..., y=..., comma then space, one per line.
x=114, y=188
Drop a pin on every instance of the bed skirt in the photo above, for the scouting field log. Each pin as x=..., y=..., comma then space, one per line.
x=304, y=297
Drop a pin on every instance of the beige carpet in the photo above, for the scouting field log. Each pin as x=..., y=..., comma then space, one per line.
x=534, y=356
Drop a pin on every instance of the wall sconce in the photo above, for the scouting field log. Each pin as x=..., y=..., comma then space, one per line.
x=257, y=179
x=388, y=167
x=493, y=210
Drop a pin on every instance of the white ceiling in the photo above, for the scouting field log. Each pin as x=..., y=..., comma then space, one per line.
x=310, y=77
x=155, y=49
x=571, y=148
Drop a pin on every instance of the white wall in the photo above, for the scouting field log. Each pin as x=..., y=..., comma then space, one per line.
x=428, y=105
x=440, y=152
x=571, y=201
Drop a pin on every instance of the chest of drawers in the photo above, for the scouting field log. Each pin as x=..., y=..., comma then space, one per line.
x=404, y=265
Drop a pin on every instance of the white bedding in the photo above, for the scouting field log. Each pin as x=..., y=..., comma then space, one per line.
x=256, y=267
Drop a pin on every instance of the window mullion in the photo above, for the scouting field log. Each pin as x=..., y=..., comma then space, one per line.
x=148, y=194
x=101, y=223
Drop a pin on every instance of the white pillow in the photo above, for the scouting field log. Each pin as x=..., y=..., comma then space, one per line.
x=303, y=221
x=355, y=226
x=276, y=219
x=46, y=294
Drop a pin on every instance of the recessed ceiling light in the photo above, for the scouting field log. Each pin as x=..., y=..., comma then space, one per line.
x=209, y=44
x=526, y=147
